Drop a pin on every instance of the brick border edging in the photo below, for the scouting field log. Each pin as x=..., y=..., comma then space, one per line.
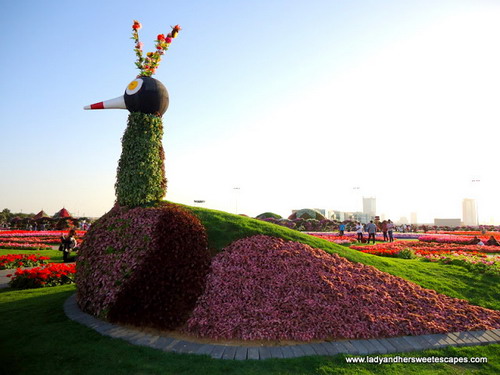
x=353, y=347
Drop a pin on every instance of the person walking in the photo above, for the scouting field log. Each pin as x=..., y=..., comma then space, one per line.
x=384, y=230
x=341, y=229
x=390, y=230
x=68, y=243
x=372, y=230
x=359, y=231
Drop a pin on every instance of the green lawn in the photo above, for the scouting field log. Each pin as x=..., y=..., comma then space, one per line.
x=37, y=338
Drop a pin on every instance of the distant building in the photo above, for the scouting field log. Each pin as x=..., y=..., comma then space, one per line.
x=448, y=222
x=62, y=214
x=369, y=206
x=361, y=217
x=413, y=218
x=338, y=215
x=469, y=212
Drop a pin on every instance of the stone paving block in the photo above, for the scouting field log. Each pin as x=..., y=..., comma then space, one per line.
x=264, y=352
x=339, y=347
x=436, y=341
x=400, y=344
x=91, y=323
x=86, y=320
x=318, y=348
x=482, y=337
x=253, y=352
x=358, y=345
x=241, y=353
x=456, y=337
x=177, y=346
x=468, y=338
x=378, y=348
x=297, y=351
x=192, y=347
x=276, y=352
x=160, y=343
x=229, y=352
x=151, y=341
x=288, y=352
x=169, y=346
x=372, y=349
x=104, y=328
x=146, y=340
x=491, y=336
x=134, y=337
x=330, y=349
x=186, y=347
x=205, y=349
x=218, y=351
x=495, y=333
x=386, y=344
x=415, y=342
x=117, y=332
x=306, y=348
x=350, y=348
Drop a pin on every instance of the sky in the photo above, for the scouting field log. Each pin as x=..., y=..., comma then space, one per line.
x=296, y=104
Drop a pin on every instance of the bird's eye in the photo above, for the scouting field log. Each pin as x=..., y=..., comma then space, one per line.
x=134, y=86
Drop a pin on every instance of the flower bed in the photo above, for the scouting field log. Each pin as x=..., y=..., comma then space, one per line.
x=422, y=248
x=473, y=262
x=334, y=237
x=46, y=233
x=447, y=238
x=265, y=288
x=35, y=240
x=19, y=260
x=49, y=275
x=24, y=246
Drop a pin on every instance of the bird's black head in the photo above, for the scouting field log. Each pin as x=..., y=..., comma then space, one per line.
x=146, y=95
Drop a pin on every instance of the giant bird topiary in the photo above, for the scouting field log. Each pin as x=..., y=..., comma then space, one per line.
x=144, y=262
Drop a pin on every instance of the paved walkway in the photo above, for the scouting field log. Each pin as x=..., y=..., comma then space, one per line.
x=4, y=280
x=354, y=347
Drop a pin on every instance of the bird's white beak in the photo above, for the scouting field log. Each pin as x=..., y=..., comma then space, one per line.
x=116, y=103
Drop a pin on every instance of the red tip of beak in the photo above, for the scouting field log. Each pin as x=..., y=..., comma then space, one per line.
x=99, y=105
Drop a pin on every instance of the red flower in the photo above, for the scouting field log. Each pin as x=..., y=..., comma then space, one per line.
x=160, y=37
x=136, y=25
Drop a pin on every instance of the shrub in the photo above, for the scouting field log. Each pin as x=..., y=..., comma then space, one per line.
x=49, y=275
x=406, y=254
x=268, y=215
x=141, y=173
x=143, y=266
